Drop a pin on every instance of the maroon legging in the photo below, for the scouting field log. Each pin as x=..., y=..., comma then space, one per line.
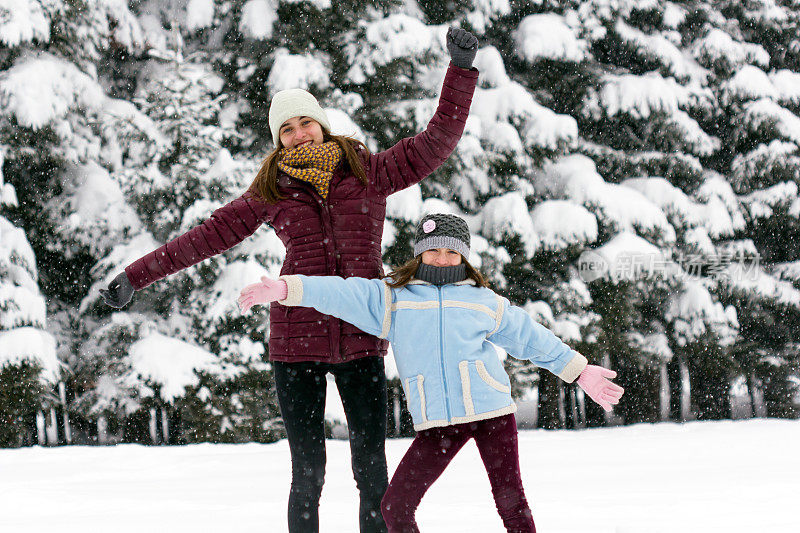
x=431, y=452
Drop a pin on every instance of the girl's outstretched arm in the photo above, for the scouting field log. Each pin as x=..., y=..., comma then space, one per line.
x=365, y=303
x=524, y=338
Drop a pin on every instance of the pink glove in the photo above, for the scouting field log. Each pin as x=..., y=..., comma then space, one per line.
x=268, y=291
x=593, y=380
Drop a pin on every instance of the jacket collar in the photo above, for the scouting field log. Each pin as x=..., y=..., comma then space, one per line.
x=468, y=281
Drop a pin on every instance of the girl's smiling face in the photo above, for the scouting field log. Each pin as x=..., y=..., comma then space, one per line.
x=298, y=131
x=441, y=257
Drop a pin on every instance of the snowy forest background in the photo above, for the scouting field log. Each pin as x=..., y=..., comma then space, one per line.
x=659, y=139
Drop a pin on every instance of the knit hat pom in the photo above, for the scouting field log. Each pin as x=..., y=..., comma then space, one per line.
x=442, y=231
x=292, y=103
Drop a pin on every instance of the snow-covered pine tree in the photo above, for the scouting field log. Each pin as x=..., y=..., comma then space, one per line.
x=52, y=126
x=762, y=129
x=190, y=174
x=29, y=369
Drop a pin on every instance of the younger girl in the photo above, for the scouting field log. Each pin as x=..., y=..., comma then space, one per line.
x=442, y=320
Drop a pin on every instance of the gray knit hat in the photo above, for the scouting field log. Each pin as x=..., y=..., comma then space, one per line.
x=294, y=103
x=442, y=231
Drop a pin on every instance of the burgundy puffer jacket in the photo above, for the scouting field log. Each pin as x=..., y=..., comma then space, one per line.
x=338, y=236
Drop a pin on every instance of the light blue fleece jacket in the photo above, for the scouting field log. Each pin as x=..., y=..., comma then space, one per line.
x=442, y=340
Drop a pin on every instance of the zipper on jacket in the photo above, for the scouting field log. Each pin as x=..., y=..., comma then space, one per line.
x=441, y=356
x=333, y=267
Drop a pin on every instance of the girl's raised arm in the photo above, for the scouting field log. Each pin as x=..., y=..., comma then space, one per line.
x=414, y=158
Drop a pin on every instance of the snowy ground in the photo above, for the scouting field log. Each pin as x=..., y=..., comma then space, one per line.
x=700, y=477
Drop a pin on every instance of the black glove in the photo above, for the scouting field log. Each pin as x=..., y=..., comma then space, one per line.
x=119, y=292
x=462, y=46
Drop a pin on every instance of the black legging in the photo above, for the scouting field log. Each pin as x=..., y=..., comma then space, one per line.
x=301, y=394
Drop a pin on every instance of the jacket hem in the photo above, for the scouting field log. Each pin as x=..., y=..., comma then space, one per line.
x=467, y=419
x=286, y=358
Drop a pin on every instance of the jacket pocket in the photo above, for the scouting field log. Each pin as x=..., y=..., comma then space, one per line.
x=479, y=387
x=415, y=398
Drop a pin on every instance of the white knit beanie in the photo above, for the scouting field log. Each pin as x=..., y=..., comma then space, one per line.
x=294, y=103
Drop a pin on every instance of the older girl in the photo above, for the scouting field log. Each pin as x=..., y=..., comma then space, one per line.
x=325, y=196
x=442, y=321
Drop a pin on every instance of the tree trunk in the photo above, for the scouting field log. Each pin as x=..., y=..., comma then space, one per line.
x=153, y=425
x=680, y=405
x=65, y=430
x=756, y=393
x=41, y=428
x=663, y=392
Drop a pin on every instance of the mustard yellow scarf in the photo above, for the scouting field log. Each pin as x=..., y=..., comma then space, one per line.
x=312, y=163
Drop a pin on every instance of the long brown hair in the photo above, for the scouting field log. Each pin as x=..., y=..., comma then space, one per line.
x=265, y=184
x=401, y=276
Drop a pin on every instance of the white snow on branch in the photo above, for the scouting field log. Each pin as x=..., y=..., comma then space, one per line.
x=561, y=223
x=93, y=208
x=405, y=204
x=291, y=71
x=654, y=344
x=490, y=64
x=673, y=15
x=749, y=83
x=575, y=178
x=319, y=4
x=789, y=271
x=507, y=215
x=390, y=38
x=761, y=203
x=234, y=276
x=640, y=96
x=41, y=87
x=23, y=21
x=20, y=300
x=718, y=45
x=694, y=313
x=764, y=159
x=697, y=140
x=16, y=253
x=485, y=11
x=627, y=257
x=122, y=254
x=713, y=215
x=661, y=49
x=752, y=279
x=258, y=17
x=170, y=363
x=548, y=36
x=768, y=12
x=765, y=111
x=124, y=25
x=31, y=345
x=675, y=203
x=512, y=103
x=342, y=124
x=787, y=84
x=199, y=14
x=721, y=213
